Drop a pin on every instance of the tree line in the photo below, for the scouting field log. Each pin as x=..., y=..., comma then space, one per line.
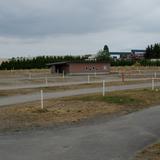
x=41, y=61
x=36, y=62
x=153, y=51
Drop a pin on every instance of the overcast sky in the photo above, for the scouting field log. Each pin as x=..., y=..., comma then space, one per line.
x=59, y=27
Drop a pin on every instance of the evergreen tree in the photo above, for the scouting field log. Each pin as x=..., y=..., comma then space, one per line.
x=153, y=51
x=103, y=55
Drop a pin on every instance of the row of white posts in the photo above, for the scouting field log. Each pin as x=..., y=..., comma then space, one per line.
x=103, y=88
x=103, y=93
x=63, y=76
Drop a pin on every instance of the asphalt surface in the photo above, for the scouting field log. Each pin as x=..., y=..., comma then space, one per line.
x=36, y=96
x=117, y=139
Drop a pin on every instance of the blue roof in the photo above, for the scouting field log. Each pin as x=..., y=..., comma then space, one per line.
x=138, y=50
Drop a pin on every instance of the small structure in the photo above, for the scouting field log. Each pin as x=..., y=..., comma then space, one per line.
x=79, y=67
x=119, y=55
x=137, y=54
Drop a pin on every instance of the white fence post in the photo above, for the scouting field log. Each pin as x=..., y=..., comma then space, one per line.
x=63, y=73
x=153, y=85
x=103, y=88
x=139, y=71
x=95, y=74
x=29, y=75
x=155, y=75
x=88, y=79
x=42, y=105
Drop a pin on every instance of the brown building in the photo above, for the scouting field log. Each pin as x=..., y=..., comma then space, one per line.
x=79, y=67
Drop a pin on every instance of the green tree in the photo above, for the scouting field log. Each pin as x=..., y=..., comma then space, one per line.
x=153, y=51
x=103, y=55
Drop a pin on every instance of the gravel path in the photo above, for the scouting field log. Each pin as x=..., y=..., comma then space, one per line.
x=117, y=139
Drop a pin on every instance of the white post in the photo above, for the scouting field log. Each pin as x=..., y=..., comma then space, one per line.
x=103, y=88
x=42, y=106
x=155, y=75
x=95, y=74
x=29, y=75
x=88, y=79
x=63, y=73
x=46, y=80
x=139, y=71
x=152, y=83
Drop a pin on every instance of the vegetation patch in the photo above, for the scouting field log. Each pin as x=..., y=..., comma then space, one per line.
x=150, y=153
x=121, y=100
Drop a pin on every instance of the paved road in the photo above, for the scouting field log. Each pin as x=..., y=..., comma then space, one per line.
x=36, y=96
x=117, y=139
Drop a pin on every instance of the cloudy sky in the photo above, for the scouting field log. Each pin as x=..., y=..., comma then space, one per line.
x=58, y=27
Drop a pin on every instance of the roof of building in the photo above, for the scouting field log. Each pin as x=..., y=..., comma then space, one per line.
x=138, y=50
x=68, y=62
x=57, y=63
x=120, y=53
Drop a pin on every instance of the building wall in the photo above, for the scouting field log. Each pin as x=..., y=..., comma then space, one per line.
x=88, y=67
x=53, y=69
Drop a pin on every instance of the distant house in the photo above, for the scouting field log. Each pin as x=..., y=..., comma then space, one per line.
x=119, y=55
x=137, y=53
x=91, y=57
x=79, y=67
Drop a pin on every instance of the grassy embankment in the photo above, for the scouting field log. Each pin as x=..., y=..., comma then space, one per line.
x=150, y=153
x=75, y=109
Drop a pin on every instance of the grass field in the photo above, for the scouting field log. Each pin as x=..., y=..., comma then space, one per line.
x=75, y=109
x=150, y=153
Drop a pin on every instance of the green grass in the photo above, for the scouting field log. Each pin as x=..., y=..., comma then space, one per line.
x=139, y=97
x=121, y=100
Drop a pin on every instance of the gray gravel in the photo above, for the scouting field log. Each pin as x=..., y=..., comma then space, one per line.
x=117, y=139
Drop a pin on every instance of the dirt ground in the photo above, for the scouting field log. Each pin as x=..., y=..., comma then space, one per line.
x=150, y=153
x=75, y=109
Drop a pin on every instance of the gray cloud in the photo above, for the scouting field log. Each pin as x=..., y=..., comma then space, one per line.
x=52, y=17
x=35, y=23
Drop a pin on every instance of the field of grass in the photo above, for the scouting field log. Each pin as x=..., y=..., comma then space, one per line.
x=75, y=109
x=149, y=153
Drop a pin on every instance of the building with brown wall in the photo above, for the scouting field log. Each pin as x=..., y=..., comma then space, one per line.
x=79, y=67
